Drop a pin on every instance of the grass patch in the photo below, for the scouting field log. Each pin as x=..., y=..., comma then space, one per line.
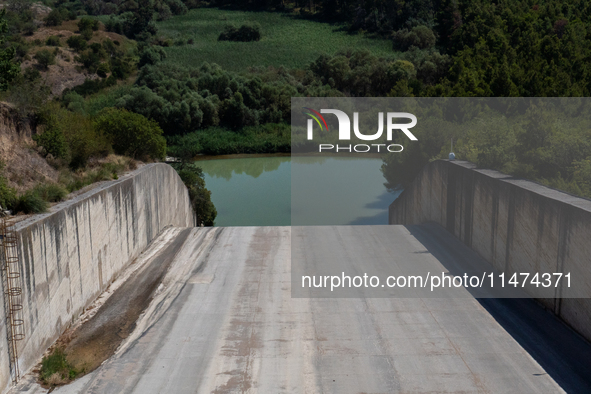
x=51, y=192
x=286, y=40
x=56, y=370
x=38, y=199
x=106, y=170
x=30, y=202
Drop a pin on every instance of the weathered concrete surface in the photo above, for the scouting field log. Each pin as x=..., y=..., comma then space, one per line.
x=70, y=255
x=516, y=225
x=226, y=323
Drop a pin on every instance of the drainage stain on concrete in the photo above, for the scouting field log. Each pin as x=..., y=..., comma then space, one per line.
x=98, y=339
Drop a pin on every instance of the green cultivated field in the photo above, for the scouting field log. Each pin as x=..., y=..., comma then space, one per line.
x=286, y=41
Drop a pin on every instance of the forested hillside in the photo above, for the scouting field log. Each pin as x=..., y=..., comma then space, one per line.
x=496, y=48
x=217, y=77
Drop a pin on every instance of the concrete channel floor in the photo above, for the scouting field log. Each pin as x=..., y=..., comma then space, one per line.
x=224, y=321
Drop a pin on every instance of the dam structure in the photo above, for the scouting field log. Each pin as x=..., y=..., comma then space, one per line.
x=224, y=318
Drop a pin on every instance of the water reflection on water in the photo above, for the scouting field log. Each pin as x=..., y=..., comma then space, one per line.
x=283, y=191
x=338, y=191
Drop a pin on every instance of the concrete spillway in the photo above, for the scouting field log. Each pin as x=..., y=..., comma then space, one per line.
x=226, y=317
x=224, y=321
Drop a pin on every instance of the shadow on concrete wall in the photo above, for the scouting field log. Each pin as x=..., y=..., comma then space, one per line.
x=560, y=351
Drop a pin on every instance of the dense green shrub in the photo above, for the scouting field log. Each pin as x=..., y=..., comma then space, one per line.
x=132, y=134
x=268, y=138
x=192, y=177
x=53, y=41
x=86, y=23
x=31, y=74
x=21, y=47
x=185, y=99
x=53, y=141
x=151, y=55
x=431, y=66
x=85, y=141
x=73, y=101
x=45, y=58
x=121, y=67
x=419, y=36
x=92, y=86
x=51, y=192
x=121, y=63
x=202, y=205
x=163, y=11
x=8, y=69
x=115, y=24
x=20, y=17
x=109, y=7
x=359, y=73
x=54, y=18
x=103, y=69
x=92, y=57
x=18, y=6
x=71, y=137
x=581, y=175
x=244, y=33
x=139, y=23
x=86, y=34
x=77, y=43
x=177, y=7
x=30, y=202
x=106, y=55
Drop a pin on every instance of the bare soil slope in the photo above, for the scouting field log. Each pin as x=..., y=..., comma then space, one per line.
x=24, y=167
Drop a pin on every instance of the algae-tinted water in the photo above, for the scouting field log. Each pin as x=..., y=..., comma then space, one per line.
x=283, y=191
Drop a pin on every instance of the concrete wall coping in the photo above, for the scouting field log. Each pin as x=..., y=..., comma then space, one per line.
x=532, y=186
x=75, y=200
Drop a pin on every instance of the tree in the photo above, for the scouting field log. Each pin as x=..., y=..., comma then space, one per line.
x=132, y=134
x=77, y=43
x=53, y=142
x=192, y=177
x=140, y=23
x=54, y=18
x=151, y=55
x=8, y=69
x=88, y=24
x=45, y=58
x=245, y=33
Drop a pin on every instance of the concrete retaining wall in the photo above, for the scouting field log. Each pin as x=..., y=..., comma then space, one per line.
x=516, y=225
x=70, y=255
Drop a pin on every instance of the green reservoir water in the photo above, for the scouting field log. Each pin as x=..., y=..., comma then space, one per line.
x=283, y=191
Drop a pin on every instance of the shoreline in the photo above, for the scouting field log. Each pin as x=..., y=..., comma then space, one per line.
x=239, y=156
x=262, y=155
